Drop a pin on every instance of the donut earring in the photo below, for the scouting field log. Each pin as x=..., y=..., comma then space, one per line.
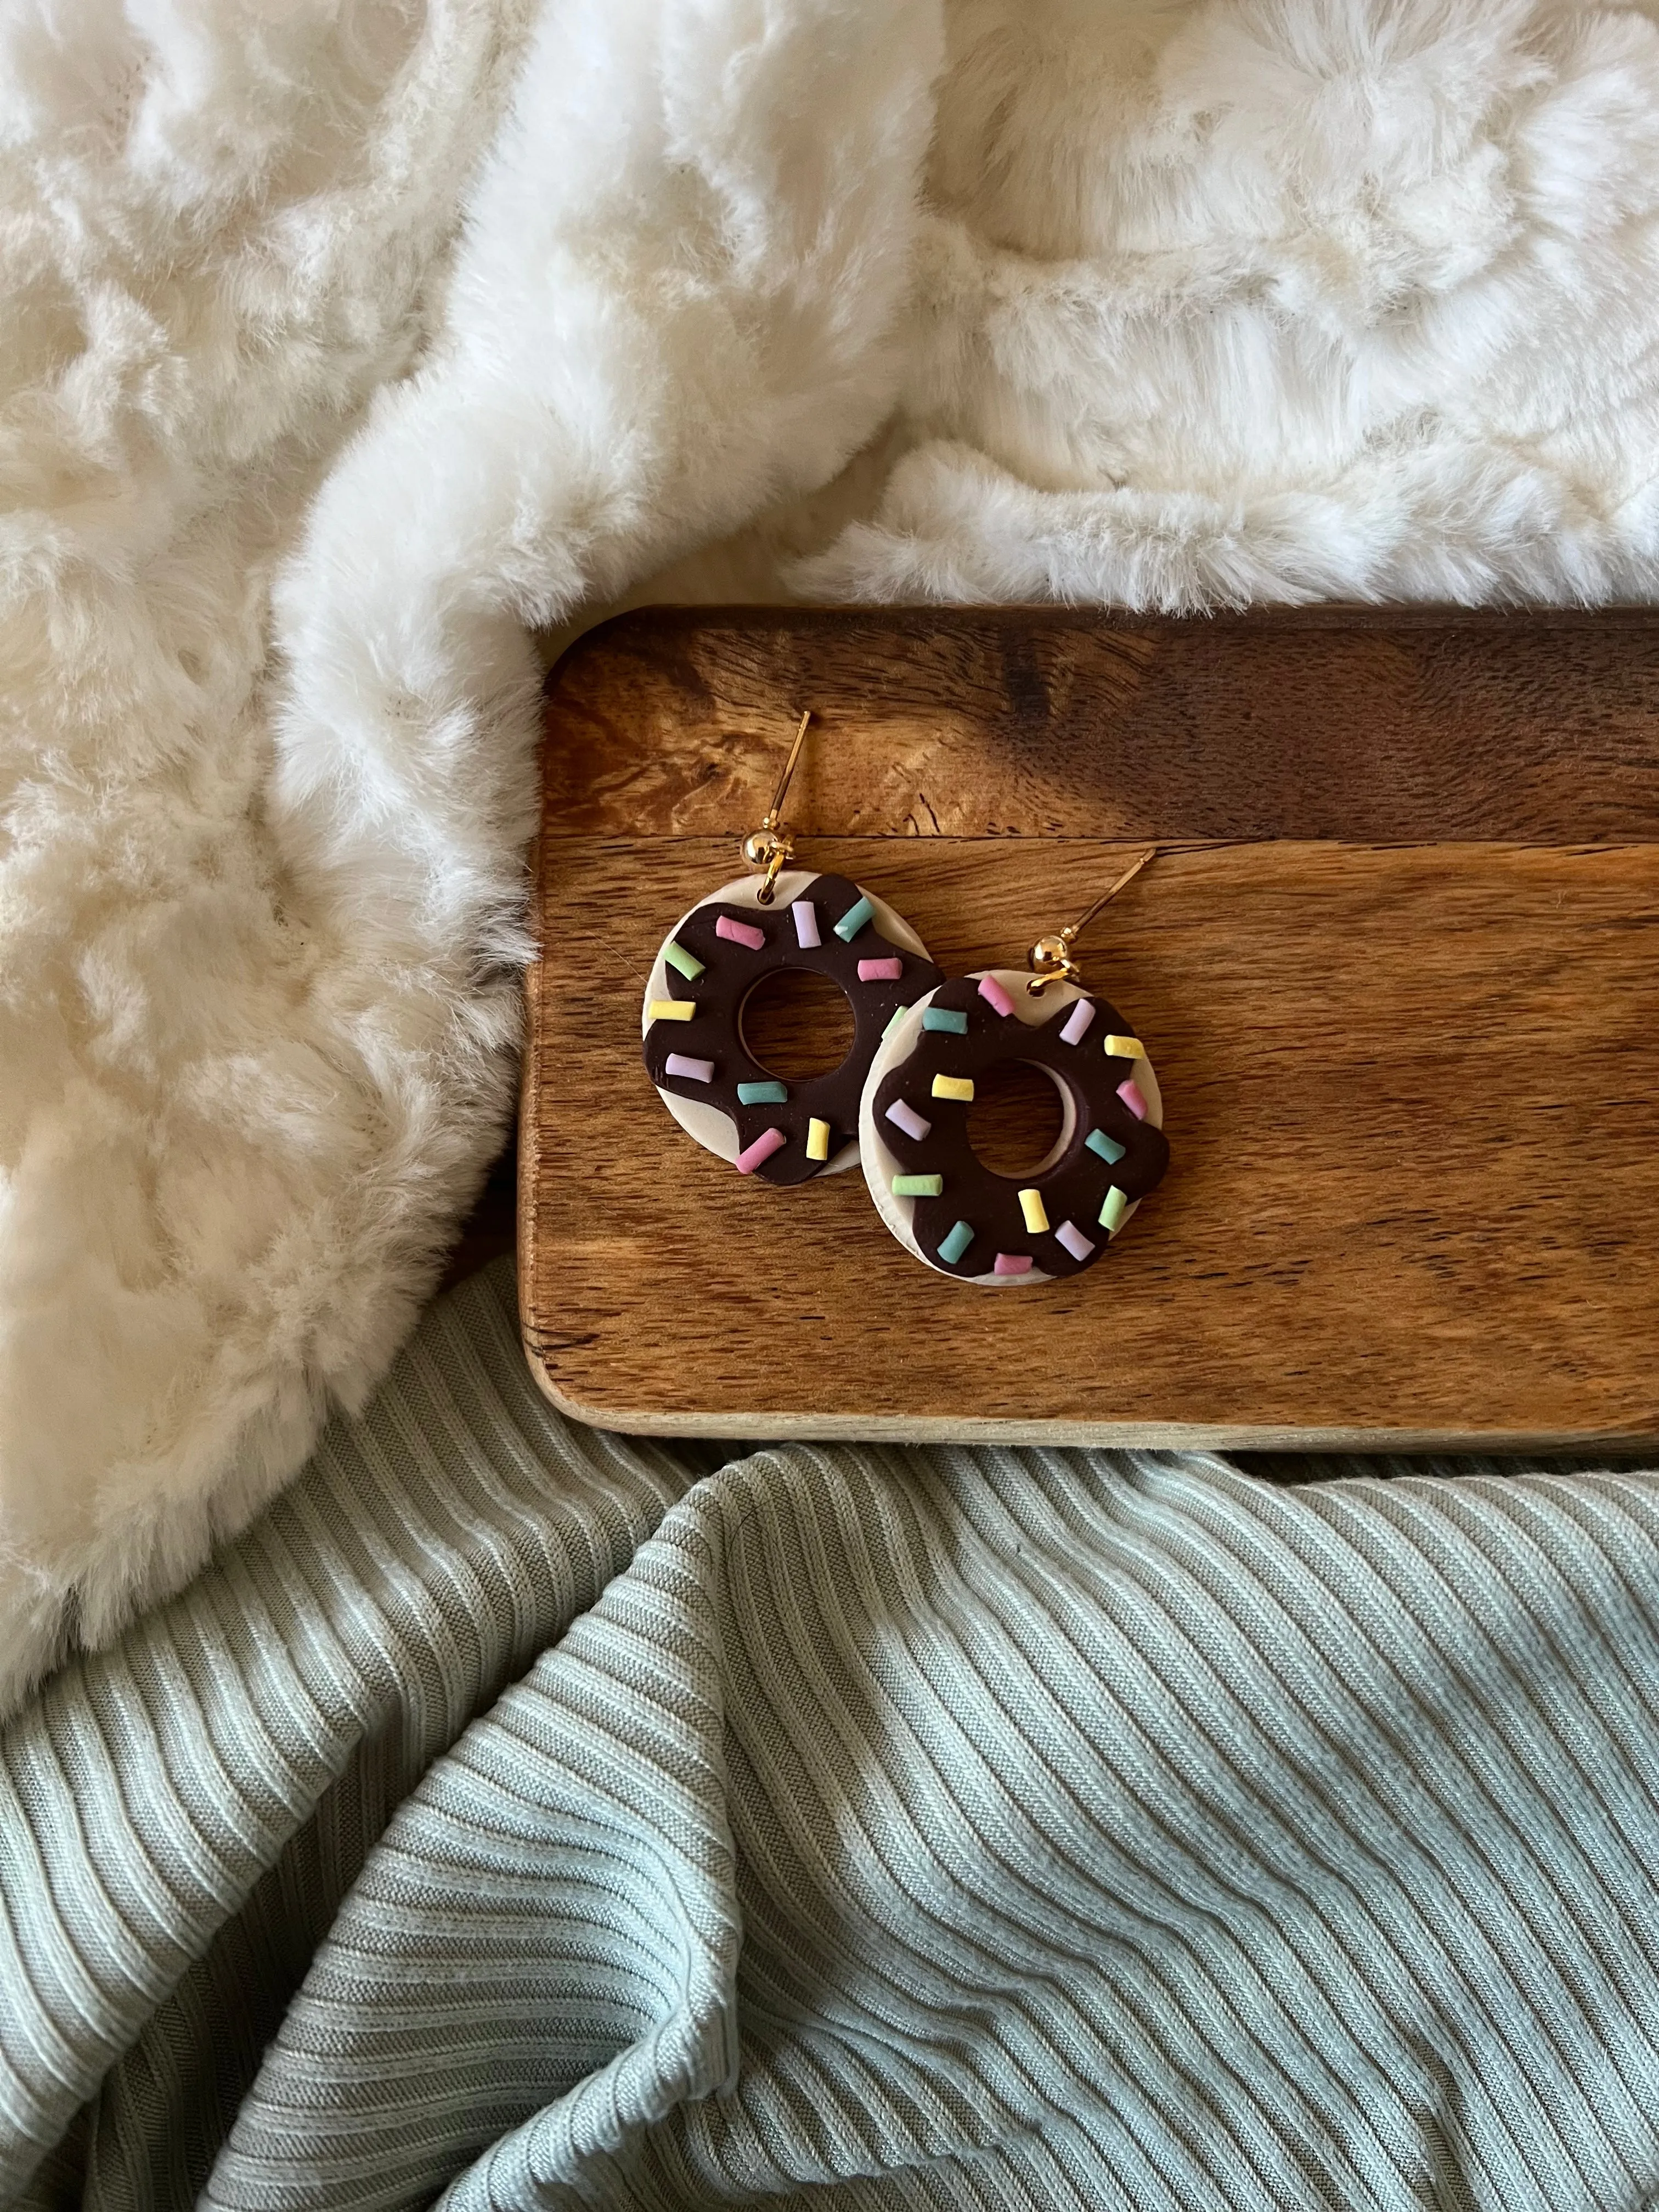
x=928, y=1185
x=783, y=919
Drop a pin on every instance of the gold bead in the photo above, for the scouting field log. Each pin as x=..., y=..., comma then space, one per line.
x=1050, y=952
x=758, y=847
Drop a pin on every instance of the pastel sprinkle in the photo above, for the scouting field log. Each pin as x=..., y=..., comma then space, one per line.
x=1129, y=1092
x=880, y=972
x=767, y=1142
x=1122, y=1048
x=1012, y=1263
x=854, y=921
x=994, y=996
x=1035, y=1212
x=691, y=1071
x=1112, y=1213
x=945, y=1018
x=907, y=1118
x=952, y=1247
x=763, y=1094
x=683, y=962
x=671, y=1010
x=1108, y=1147
x=918, y=1186
x=806, y=923
x=954, y=1087
x=1076, y=1028
x=899, y=1013
x=1073, y=1239
x=740, y=933
x=818, y=1139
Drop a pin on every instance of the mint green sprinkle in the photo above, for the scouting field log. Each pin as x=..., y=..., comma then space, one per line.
x=1112, y=1213
x=918, y=1186
x=897, y=1017
x=945, y=1018
x=685, y=964
x=1108, y=1147
x=763, y=1094
x=953, y=1248
x=854, y=921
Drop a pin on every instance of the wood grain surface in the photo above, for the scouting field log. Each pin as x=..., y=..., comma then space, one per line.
x=1393, y=968
x=1374, y=728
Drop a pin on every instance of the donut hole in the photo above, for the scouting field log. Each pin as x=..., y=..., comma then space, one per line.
x=1018, y=1123
x=797, y=1024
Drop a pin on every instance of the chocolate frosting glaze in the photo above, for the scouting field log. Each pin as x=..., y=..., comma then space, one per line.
x=732, y=971
x=1073, y=1188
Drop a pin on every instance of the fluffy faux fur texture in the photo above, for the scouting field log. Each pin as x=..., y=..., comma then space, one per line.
x=301, y=433
x=260, y=860
x=1282, y=300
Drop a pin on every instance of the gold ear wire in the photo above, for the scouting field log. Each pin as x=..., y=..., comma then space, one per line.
x=1050, y=957
x=770, y=847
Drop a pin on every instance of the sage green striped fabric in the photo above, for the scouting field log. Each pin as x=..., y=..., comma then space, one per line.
x=523, y=1817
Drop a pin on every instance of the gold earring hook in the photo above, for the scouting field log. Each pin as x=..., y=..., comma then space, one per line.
x=770, y=847
x=1050, y=957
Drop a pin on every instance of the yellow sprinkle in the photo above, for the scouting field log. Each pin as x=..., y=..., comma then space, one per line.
x=953, y=1087
x=672, y=1009
x=818, y=1139
x=1037, y=1214
x=1122, y=1048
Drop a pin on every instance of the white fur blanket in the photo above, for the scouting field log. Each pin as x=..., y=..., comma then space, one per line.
x=343, y=343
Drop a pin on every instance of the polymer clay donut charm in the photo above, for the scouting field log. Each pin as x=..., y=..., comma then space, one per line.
x=930, y=1186
x=694, y=1052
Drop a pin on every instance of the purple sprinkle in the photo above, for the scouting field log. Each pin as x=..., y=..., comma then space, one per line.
x=907, y=1118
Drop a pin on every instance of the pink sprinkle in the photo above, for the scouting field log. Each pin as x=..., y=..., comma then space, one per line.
x=767, y=1142
x=995, y=997
x=1076, y=1028
x=1073, y=1239
x=1012, y=1263
x=1129, y=1092
x=907, y=1118
x=739, y=932
x=880, y=972
x=694, y=1071
x=806, y=923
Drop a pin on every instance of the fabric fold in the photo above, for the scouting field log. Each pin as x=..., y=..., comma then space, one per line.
x=181, y=1816
x=527, y=1818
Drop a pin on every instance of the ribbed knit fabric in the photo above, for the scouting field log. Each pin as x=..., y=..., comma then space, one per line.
x=1000, y=1830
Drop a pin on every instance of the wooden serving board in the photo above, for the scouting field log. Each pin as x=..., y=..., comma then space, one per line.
x=1395, y=966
